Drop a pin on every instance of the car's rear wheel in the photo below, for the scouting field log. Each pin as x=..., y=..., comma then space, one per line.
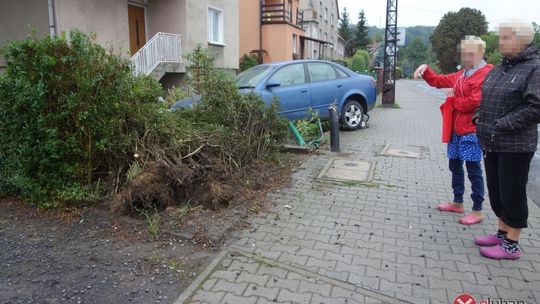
x=352, y=115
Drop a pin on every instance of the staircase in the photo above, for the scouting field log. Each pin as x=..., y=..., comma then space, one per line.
x=160, y=55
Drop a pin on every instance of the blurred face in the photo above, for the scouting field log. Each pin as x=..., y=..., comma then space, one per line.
x=471, y=55
x=510, y=44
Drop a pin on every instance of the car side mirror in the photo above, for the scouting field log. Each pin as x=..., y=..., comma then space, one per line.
x=272, y=84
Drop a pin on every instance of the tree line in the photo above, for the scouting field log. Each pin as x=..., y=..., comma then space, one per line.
x=436, y=46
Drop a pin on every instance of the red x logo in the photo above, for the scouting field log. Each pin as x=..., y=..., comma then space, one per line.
x=464, y=299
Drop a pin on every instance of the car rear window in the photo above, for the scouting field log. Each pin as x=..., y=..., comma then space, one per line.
x=321, y=72
x=340, y=73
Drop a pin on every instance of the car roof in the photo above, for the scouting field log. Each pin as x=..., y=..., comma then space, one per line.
x=282, y=63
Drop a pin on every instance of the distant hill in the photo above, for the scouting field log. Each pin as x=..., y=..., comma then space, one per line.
x=419, y=31
x=373, y=31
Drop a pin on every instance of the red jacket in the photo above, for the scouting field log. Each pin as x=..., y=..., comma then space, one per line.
x=458, y=110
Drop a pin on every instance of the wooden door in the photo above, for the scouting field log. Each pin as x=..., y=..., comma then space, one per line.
x=137, y=28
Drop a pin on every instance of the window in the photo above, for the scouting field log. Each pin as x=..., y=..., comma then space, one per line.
x=326, y=37
x=289, y=11
x=321, y=72
x=290, y=75
x=326, y=13
x=294, y=44
x=332, y=19
x=215, y=26
x=341, y=74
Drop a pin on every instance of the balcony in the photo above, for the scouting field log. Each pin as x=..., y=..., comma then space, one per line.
x=278, y=13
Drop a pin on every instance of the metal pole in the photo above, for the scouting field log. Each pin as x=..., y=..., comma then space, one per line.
x=390, y=54
x=296, y=134
x=52, y=19
x=260, y=54
x=334, y=129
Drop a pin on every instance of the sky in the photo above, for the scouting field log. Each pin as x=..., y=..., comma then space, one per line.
x=430, y=12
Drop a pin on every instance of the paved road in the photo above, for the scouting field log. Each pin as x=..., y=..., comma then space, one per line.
x=381, y=242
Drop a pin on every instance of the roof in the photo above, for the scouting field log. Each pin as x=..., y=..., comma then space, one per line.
x=315, y=40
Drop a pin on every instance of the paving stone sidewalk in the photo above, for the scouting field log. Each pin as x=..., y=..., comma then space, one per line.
x=381, y=241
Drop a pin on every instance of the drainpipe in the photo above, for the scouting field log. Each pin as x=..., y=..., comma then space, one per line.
x=52, y=19
x=260, y=30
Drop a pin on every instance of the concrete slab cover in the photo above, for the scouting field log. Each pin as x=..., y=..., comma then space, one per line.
x=403, y=151
x=341, y=169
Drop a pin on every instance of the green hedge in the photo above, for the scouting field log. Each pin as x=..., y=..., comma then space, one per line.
x=70, y=115
x=75, y=122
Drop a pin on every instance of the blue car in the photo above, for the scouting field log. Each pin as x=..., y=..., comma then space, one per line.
x=301, y=85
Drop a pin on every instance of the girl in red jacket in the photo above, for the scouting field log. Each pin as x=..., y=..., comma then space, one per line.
x=463, y=98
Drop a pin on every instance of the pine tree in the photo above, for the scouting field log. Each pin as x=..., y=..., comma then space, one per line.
x=361, y=32
x=346, y=33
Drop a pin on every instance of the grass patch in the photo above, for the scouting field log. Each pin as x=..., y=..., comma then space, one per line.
x=179, y=213
x=152, y=221
x=367, y=184
x=360, y=184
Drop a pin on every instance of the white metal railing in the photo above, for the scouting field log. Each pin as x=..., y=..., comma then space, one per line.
x=162, y=48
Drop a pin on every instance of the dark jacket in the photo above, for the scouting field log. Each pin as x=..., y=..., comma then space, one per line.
x=510, y=109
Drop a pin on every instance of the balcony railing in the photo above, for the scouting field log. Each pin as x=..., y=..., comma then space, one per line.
x=278, y=13
x=299, y=17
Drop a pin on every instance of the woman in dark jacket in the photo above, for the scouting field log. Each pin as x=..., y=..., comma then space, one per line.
x=508, y=133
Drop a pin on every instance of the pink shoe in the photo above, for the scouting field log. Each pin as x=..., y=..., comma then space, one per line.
x=487, y=240
x=449, y=207
x=499, y=253
x=470, y=219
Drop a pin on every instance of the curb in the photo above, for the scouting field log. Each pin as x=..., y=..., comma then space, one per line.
x=190, y=291
x=201, y=278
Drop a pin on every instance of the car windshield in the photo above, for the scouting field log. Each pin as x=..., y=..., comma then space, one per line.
x=252, y=77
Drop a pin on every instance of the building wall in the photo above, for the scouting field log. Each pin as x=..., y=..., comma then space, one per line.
x=108, y=19
x=168, y=16
x=249, y=26
x=314, y=10
x=278, y=42
x=189, y=18
x=277, y=39
x=227, y=55
x=311, y=47
x=19, y=18
x=340, y=49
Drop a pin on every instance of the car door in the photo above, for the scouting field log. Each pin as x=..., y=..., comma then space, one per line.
x=289, y=85
x=326, y=86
